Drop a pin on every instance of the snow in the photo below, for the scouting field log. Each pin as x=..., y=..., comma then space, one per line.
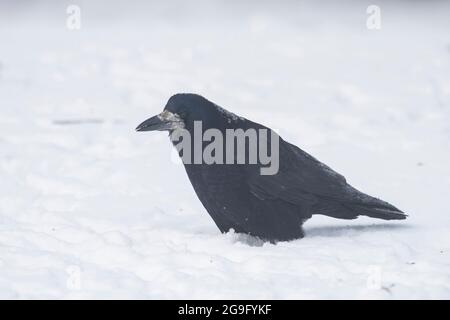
x=91, y=209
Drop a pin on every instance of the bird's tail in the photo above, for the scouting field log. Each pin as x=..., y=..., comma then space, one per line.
x=348, y=210
x=385, y=213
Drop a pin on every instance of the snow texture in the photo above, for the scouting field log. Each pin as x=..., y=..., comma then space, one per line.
x=91, y=209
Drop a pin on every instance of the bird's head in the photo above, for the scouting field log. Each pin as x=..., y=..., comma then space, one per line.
x=183, y=109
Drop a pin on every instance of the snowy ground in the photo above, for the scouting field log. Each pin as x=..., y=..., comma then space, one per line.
x=91, y=209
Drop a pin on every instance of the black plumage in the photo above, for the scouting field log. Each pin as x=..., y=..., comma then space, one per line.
x=272, y=207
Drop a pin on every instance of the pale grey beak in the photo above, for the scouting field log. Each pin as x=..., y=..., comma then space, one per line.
x=164, y=121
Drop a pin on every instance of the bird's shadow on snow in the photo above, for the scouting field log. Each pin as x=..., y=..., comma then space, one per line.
x=339, y=231
x=320, y=231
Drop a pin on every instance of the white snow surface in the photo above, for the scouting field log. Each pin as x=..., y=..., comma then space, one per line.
x=91, y=209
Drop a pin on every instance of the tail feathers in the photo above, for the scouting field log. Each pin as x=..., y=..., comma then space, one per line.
x=384, y=213
x=352, y=211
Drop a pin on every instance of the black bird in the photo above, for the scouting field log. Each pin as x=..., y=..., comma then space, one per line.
x=271, y=207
